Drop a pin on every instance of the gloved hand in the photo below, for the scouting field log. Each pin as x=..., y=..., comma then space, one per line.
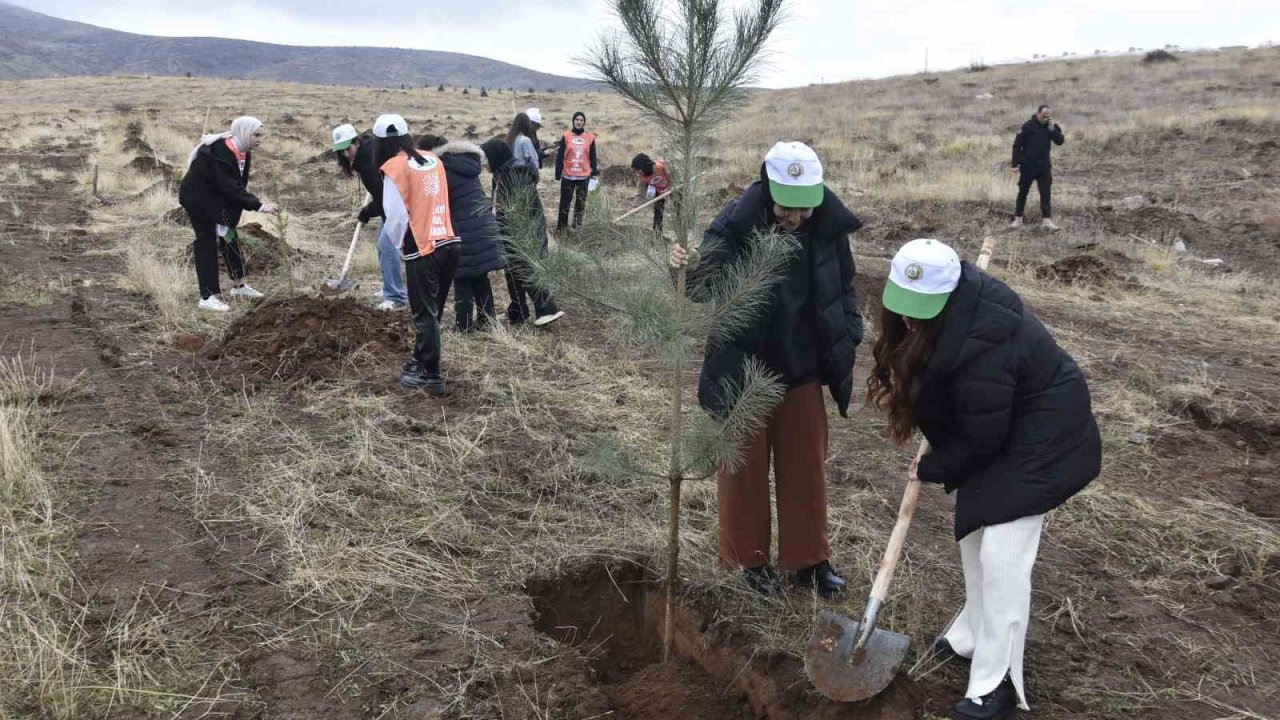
x=366, y=214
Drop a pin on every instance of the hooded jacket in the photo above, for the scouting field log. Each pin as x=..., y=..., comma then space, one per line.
x=812, y=328
x=514, y=185
x=1006, y=411
x=470, y=210
x=214, y=188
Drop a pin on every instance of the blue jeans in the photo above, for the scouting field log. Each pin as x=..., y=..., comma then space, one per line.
x=392, y=269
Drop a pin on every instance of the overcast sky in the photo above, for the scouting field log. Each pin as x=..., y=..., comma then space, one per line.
x=824, y=40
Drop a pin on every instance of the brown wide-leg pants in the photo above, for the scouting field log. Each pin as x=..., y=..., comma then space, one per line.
x=796, y=437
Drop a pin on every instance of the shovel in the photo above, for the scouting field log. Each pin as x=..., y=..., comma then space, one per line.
x=342, y=283
x=851, y=661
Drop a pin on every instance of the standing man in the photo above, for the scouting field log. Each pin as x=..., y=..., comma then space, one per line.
x=575, y=167
x=806, y=335
x=1031, y=158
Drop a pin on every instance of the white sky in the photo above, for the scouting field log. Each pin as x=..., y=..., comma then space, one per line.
x=823, y=40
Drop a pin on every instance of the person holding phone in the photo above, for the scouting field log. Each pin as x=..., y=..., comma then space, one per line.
x=1031, y=149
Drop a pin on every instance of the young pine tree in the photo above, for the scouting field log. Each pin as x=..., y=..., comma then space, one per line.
x=686, y=66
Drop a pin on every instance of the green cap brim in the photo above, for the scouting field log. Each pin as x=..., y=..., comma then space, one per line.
x=912, y=304
x=796, y=196
x=337, y=147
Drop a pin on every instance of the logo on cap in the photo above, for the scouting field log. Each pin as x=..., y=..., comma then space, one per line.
x=795, y=169
x=914, y=272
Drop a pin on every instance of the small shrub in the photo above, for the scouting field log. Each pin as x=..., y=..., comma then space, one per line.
x=978, y=66
x=1159, y=56
x=441, y=88
x=483, y=92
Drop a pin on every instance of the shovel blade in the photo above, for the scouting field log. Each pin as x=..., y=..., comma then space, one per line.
x=335, y=286
x=841, y=674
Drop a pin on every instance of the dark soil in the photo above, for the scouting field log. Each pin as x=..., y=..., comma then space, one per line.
x=263, y=251
x=1085, y=270
x=308, y=338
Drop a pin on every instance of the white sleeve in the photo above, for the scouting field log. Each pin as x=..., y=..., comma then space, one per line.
x=397, y=215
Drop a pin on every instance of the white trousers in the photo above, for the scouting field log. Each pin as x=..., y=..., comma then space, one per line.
x=991, y=629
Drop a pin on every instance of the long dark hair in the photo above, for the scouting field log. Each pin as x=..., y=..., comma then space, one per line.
x=344, y=162
x=431, y=142
x=522, y=125
x=901, y=356
x=389, y=147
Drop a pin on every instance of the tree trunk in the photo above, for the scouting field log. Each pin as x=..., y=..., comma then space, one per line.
x=675, y=475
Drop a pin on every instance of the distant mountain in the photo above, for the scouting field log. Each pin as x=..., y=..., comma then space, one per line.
x=34, y=45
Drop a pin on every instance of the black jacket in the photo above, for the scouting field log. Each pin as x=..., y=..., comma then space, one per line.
x=1006, y=410
x=595, y=166
x=1031, y=145
x=826, y=346
x=366, y=164
x=470, y=210
x=515, y=186
x=213, y=190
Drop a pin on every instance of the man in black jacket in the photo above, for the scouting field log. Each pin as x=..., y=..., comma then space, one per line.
x=1031, y=159
x=807, y=337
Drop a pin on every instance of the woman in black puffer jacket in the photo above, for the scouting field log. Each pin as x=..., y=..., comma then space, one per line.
x=1011, y=431
x=474, y=222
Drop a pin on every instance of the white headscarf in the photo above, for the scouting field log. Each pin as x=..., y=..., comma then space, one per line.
x=242, y=130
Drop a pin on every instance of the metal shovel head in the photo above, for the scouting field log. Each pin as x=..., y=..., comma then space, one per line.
x=336, y=286
x=841, y=674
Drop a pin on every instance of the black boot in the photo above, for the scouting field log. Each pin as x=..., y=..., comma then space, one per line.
x=763, y=579
x=998, y=704
x=414, y=377
x=830, y=583
x=943, y=651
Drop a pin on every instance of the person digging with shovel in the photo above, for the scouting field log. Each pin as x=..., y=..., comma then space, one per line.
x=214, y=192
x=355, y=153
x=415, y=199
x=807, y=335
x=1008, y=418
x=654, y=181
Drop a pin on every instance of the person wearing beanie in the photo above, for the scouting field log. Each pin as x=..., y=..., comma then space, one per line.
x=1011, y=431
x=415, y=200
x=355, y=153
x=806, y=335
x=473, y=220
x=523, y=221
x=576, y=165
x=214, y=192
x=654, y=181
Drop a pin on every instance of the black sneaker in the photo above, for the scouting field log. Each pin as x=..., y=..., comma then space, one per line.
x=999, y=704
x=763, y=579
x=830, y=583
x=943, y=651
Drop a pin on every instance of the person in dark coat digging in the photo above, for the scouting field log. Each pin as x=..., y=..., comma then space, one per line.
x=1009, y=421
x=474, y=222
x=807, y=336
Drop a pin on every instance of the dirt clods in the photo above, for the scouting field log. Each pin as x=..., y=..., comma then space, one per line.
x=1086, y=269
x=306, y=338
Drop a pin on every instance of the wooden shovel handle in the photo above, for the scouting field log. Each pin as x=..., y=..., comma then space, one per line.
x=351, y=249
x=907, y=510
x=637, y=209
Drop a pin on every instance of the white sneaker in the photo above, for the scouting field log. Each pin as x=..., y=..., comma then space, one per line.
x=245, y=291
x=377, y=294
x=548, y=319
x=214, y=303
x=390, y=305
x=1017, y=222
x=1048, y=224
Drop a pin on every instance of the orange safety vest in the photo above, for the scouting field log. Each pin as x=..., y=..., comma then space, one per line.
x=660, y=180
x=235, y=150
x=425, y=192
x=577, y=155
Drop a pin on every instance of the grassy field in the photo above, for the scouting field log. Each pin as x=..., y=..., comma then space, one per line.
x=244, y=516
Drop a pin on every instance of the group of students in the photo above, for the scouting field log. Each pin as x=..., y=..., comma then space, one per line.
x=959, y=357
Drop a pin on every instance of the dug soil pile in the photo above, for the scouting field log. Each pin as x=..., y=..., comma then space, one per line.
x=1087, y=270
x=263, y=251
x=306, y=338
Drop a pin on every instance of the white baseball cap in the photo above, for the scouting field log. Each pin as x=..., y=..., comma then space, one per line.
x=922, y=276
x=534, y=114
x=795, y=175
x=343, y=136
x=390, y=125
